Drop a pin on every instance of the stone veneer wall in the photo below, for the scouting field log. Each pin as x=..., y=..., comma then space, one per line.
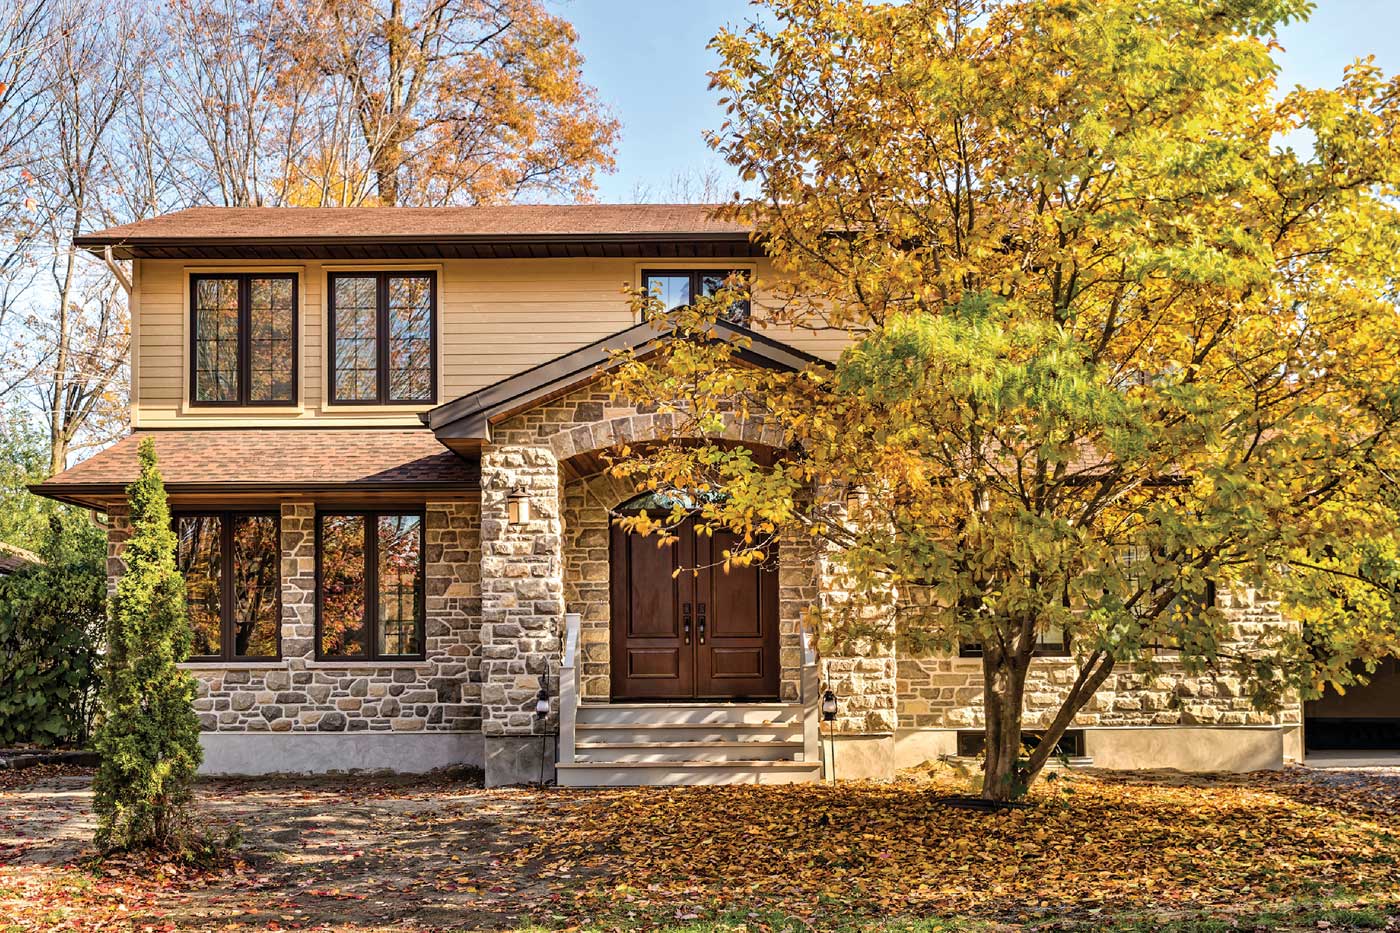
x=946, y=693
x=300, y=694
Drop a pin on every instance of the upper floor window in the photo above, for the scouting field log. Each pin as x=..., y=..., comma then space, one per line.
x=677, y=288
x=383, y=337
x=231, y=563
x=243, y=339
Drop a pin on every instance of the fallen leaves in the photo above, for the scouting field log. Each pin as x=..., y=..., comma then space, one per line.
x=435, y=853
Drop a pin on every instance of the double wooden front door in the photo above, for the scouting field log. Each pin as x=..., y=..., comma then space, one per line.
x=701, y=632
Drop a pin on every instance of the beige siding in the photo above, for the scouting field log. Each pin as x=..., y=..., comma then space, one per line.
x=496, y=318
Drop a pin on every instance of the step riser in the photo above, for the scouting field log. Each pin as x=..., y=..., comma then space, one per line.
x=753, y=751
x=603, y=776
x=625, y=736
x=666, y=715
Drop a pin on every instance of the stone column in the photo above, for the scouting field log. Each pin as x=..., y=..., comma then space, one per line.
x=866, y=685
x=522, y=611
x=118, y=532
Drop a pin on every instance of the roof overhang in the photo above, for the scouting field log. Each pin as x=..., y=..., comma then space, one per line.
x=245, y=467
x=475, y=246
x=464, y=424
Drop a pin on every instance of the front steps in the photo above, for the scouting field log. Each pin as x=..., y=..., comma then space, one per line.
x=634, y=744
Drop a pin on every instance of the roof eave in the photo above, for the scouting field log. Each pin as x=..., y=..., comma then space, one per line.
x=127, y=247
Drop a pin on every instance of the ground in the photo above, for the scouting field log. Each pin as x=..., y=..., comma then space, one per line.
x=1296, y=849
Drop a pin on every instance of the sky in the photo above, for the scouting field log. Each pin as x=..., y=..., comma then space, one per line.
x=648, y=60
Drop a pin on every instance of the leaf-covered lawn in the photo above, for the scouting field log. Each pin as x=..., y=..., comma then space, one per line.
x=1293, y=849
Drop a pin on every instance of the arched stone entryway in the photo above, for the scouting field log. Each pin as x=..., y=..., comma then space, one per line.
x=591, y=562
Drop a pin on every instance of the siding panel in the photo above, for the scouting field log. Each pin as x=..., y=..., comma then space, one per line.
x=496, y=318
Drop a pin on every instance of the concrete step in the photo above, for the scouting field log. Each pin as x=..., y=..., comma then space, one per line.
x=688, y=751
x=652, y=732
x=640, y=773
x=611, y=713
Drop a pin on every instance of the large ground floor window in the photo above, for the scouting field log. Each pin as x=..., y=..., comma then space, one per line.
x=231, y=563
x=369, y=592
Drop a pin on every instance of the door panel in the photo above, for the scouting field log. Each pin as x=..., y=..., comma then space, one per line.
x=650, y=651
x=737, y=654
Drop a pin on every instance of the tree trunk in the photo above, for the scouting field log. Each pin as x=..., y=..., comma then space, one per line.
x=1004, y=677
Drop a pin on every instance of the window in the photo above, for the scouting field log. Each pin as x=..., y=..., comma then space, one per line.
x=233, y=588
x=369, y=592
x=974, y=744
x=1052, y=642
x=675, y=288
x=383, y=348
x=243, y=339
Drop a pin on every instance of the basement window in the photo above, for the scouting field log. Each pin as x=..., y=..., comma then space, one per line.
x=972, y=744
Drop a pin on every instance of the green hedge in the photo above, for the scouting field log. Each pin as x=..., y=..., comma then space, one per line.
x=51, y=620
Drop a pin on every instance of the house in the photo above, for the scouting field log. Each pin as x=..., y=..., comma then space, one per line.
x=382, y=432
x=14, y=559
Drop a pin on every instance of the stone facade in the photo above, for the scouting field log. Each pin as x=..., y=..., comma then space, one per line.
x=946, y=693
x=300, y=694
x=496, y=596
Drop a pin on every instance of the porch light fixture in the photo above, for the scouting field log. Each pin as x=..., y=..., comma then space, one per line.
x=518, y=505
x=854, y=496
x=829, y=705
x=542, y=704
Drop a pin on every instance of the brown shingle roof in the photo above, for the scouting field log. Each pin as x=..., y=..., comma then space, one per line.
x=499, y=221
x=273, y=460
x=515, y=229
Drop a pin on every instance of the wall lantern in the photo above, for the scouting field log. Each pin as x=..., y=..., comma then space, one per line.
x=518, y=505
x=542, y=704
x=829, y=705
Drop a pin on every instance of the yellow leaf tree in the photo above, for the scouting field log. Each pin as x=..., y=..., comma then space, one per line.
x=1121, y=330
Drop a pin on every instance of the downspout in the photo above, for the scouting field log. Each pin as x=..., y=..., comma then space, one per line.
x=116, y=270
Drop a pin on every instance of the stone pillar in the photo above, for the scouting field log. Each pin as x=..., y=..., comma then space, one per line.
x=298, y=523
x=522, y=612
x=118, y=533
x=865, y=681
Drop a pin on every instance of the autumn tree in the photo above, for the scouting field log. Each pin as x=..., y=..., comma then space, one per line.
x=452, y=101
x=148, y=736
x=1113, y=341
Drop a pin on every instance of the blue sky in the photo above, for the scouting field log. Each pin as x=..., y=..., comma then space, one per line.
x=648, y=60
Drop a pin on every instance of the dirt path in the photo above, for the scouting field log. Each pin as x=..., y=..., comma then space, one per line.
x=348, y=853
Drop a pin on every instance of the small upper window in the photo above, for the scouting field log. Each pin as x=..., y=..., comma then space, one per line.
x=679, y=288
x=383, y=337
x=243, y=339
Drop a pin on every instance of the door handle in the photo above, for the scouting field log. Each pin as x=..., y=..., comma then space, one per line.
x=685, y=622
x=700, y=622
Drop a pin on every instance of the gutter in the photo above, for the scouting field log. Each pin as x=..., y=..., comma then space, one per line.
x=116, y=270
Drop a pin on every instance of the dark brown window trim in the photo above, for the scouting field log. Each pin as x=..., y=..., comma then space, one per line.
x=227, y=597
x=381, y=333
x=245, y=315
x=371, y=549
x=695, y=275
x=1042, y=650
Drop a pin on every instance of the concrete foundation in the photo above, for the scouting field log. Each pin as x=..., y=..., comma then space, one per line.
x=519, y=759
x=254, y=753
x=858, y=757
x=1183, y=748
